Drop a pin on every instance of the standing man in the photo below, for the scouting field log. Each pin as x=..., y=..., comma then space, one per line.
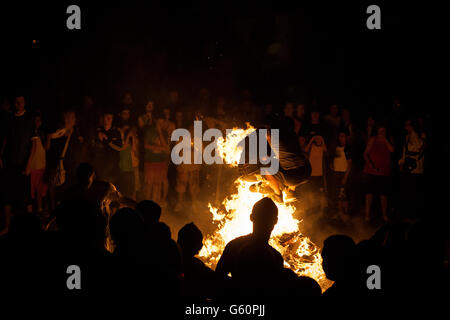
x=17, y=146
x=108, y=144
x=167, y=126
x=255, y=266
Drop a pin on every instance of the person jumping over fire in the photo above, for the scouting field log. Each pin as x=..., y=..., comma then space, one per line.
x=294, y=167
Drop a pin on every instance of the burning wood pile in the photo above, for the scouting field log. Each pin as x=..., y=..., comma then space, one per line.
x=233, y=220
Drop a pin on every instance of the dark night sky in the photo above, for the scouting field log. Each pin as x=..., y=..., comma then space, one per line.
x=308, y=51
x=322, y=50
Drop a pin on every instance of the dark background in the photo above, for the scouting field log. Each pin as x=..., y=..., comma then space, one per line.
x=310, y=50
x=321, y=50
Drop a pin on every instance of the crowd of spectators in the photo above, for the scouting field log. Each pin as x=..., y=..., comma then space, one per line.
x=130, y=147
x=91, y=191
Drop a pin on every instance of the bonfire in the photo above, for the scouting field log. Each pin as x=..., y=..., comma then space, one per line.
x=233, y=220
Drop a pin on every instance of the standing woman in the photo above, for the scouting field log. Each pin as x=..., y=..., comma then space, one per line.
x=378, y=169
x=166, y=127
x=64, y=153
x=412, y=168
x=36, y=165
x=127, y=162
x=156, y=152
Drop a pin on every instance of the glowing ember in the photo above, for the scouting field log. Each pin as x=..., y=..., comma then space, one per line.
x=299, y=253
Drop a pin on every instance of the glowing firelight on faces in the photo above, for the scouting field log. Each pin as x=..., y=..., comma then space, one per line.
x=299, y=253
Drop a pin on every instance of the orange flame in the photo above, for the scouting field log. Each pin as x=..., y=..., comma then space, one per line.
x=299, y=253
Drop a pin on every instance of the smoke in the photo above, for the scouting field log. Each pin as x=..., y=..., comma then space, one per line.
x=319, y=223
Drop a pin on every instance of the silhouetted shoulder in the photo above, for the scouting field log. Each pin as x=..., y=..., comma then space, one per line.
x=238, y=241
x=225, y=264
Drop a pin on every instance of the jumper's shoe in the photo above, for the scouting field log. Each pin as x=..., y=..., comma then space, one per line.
x=265, y=189
x=255, y=187
x=261, y=188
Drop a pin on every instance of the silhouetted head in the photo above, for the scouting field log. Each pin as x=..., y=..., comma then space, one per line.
x=412, y=125
x=308, y=287
x=190, y=239
x=342, y=137
x=126, y=227
x=81, y=221
x=150, y=211
x=127, y=99
x=162, y=231
x=19, y=104
x=288, y=109
x=125, y=114
x=126, y=202
x=103, y=194
x=294, y=287
x=339, y=257
x=37, y=121
x=315, y=115
x=179, y=117
x=108, y=118
x=149, y=107
x=334, y=109
x=264, y=217
x=300, y=110
x=166, y=113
